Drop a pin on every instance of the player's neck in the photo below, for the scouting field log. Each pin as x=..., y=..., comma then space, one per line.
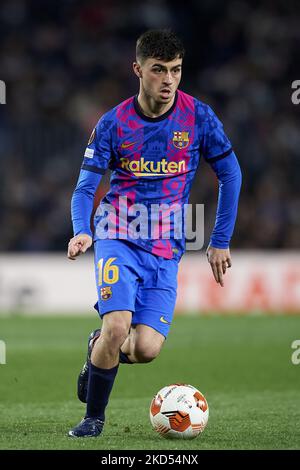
x=150, y=107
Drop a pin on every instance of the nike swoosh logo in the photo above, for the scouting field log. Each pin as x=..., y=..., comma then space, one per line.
x=125, y=145
x=164, y=321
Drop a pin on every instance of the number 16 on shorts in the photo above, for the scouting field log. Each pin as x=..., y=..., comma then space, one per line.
x=108, y=273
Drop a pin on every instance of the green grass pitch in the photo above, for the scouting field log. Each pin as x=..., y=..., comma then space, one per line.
x=241, y=364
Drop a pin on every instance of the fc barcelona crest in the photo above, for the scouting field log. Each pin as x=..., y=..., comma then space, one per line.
x=181, y=139
x=106, y=293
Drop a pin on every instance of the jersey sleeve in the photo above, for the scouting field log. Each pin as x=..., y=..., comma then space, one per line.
x=83, y=200
x=99, y=149
x=229, y=174
x=215, y=143
x=95, y=162
x=217, y=150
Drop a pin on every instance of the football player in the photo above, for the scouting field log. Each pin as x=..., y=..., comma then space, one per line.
x=152, y=142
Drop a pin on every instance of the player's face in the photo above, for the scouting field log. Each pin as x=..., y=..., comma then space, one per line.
x=160, y=79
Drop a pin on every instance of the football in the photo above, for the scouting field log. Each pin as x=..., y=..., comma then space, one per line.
x=179, y=411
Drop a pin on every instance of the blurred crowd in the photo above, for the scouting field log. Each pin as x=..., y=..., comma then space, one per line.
x=66, y=62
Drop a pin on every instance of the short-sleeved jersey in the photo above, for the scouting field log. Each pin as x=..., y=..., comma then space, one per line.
x=153, y=162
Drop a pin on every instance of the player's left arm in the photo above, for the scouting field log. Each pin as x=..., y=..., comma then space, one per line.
x=219, y=154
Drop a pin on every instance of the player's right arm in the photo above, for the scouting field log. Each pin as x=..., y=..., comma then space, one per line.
x=95, y=163
x=79, y=244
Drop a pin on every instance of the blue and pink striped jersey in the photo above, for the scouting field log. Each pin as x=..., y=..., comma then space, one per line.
x=153, y=161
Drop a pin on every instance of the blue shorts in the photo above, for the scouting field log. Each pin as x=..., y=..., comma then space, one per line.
x=130, y=278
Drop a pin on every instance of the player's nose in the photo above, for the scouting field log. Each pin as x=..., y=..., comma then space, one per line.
x=168, y=80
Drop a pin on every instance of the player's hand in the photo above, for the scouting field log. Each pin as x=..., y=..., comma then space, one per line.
x=219, y=260
x=79, y=244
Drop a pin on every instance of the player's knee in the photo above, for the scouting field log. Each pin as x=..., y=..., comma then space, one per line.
x=115, y=331
x=146, y=352
x=116, y=335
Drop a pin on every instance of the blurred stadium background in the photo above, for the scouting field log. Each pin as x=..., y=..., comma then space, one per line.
x=65, y=63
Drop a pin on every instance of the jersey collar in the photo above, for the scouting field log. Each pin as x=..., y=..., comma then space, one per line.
x=139, y=111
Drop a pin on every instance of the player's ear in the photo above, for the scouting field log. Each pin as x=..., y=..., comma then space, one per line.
x=137, y=69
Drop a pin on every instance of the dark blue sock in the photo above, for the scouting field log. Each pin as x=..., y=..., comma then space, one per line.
x=99, y=387
x=124, y=358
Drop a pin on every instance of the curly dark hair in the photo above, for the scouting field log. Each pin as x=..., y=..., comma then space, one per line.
x=160, y=44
